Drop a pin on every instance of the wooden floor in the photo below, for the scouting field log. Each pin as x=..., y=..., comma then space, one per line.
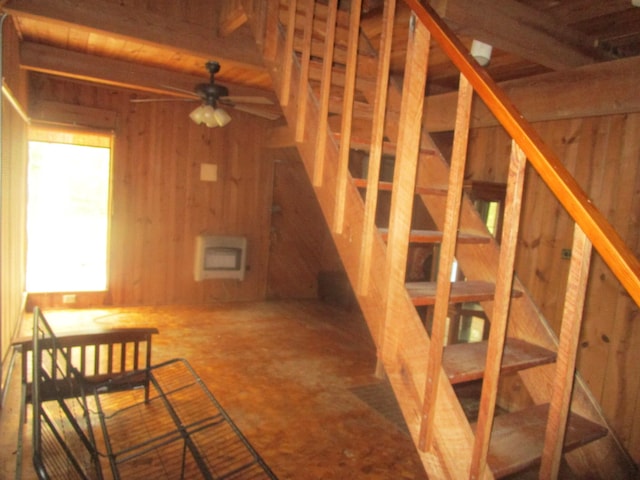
x=290, y=374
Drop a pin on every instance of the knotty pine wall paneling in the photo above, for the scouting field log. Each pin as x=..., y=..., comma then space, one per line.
x=13, y=174
x=159, y=204
x=603, y=153
x=301, y=243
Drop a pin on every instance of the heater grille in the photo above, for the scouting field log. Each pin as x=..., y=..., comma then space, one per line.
x=220, y=257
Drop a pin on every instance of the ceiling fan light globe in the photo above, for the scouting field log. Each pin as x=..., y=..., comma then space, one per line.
x=222, y=117
x=208, y=115
x=197, y=115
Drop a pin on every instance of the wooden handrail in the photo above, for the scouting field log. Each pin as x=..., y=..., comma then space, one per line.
x=605, y=239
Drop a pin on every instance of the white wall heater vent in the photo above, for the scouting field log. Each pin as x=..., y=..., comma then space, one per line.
x=220, y=257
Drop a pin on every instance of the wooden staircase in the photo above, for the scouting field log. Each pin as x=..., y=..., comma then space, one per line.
x=565, y=425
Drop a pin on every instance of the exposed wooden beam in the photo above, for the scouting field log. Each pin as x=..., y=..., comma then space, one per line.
x=601, y=89
x=606, y=88
x=116, y=73
x=517, y=28
x=232, y=17
x=68, y=114
x=139, y=26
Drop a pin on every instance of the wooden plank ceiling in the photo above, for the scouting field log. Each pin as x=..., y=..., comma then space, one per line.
x=161, y=46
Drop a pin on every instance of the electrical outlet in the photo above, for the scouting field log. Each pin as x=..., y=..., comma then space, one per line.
x=69, y=298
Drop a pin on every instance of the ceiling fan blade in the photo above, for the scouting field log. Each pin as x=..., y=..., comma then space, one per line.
x=247, y=99
x=268, y=114
x=144, y=100
x=181, y=90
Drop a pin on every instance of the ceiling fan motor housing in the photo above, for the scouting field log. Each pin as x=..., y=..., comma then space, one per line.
x=210, y=92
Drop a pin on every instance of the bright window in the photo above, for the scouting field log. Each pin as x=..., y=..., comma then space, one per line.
x=68, y=211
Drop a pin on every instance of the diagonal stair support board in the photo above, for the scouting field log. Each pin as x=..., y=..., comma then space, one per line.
x=605, y=456
x=406, y=369
x=603, y=459
x=480, y=261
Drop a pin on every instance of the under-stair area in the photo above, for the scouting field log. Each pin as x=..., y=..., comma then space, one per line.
x=338, y=96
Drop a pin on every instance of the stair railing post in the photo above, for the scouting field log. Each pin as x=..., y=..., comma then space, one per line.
x=347, y=115
x=305, y=59
x=375, y=152
x=325, y=90
x=499, y=318
x=447, y=253
x=560, y=404
x=287, y=68
x=404, y=179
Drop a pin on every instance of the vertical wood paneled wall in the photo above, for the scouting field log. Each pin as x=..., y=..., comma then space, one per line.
x=160, y=205
x=603, y=153
x=301, y=243
x=13, y=193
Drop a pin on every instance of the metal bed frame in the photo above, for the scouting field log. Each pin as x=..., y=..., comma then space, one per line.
x=174, y=429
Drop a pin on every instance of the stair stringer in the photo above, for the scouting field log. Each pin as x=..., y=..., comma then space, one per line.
x=479, y=262
x=405, y=366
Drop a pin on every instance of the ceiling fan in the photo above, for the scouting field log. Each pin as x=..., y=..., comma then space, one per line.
x=212, y=94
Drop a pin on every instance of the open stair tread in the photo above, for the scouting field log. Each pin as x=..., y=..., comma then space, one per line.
x=464, y=362
x=388, y=186
x=388, y=148
x=435, y=236
x=424, y=293
x=518, y=438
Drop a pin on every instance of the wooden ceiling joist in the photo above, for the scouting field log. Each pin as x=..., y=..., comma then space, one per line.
x=601, y=89
x=117, y=73
x=140, y=26
x=232, y=17
x=514, y=27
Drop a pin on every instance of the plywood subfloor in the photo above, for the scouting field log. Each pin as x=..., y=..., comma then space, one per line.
x=285, y=371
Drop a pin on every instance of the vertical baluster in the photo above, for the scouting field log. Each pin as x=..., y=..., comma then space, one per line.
x=504, y=282
x=96, y=360
x=567, y=352
x=285, y=91
x=136, y=353
x=110, y=358
x=303, y=85
x=404, y=179
x=83, y=359
x=123, y=357
x=325, y=91
x=377, y=138
x=447, y=253
x=347, y=116
x=147, y=360
x=271, y=15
